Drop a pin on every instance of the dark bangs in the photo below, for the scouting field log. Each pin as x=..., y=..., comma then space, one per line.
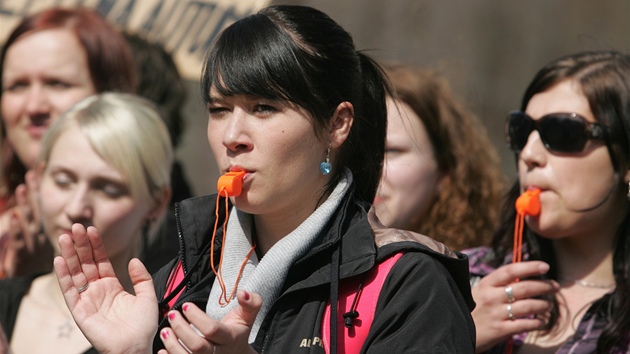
x=255, y=57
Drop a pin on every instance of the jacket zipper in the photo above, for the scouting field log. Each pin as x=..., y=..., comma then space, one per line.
x=181, y=244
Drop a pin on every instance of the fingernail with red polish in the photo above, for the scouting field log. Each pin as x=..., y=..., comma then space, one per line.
x=164, y=334
x=246, y=295
x=185, y=307
x=171, y=315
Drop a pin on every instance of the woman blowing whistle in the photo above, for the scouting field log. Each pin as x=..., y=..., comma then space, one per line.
x=293, y=105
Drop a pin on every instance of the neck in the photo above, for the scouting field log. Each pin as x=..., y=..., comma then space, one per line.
x=51, y=285
x=586, y=262
x=270, y=229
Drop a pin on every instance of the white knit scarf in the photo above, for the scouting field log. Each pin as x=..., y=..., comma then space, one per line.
x=267, y=276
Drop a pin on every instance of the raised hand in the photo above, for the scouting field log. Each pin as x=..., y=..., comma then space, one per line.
x=33, y=249
x=113, y=320
x=199, y=333
x=506, y=307
x=25, y=249
x=8, y=223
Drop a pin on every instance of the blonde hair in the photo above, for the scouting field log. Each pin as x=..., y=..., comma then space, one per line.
x=127, y=131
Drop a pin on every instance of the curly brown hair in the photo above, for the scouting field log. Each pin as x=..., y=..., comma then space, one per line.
x=466, y=211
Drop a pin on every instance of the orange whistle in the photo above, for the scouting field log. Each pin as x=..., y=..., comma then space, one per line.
x=231, y=183
x=529, y=203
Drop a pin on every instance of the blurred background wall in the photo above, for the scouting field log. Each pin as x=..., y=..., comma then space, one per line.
x=487, y=49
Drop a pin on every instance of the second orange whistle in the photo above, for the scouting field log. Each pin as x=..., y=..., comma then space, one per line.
x=231, y=183
x=529, y=203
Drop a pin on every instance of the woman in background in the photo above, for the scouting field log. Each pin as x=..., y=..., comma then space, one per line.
x=105, y=163
x=441, y=175
x=50, y=61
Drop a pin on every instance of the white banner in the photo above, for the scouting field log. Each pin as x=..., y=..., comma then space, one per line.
x=185, y=27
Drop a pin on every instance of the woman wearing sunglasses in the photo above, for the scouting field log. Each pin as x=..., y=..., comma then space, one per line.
x=571, y=292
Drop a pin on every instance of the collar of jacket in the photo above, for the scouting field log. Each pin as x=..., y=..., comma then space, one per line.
x=348, y=228
x=356, y=230
x=390, y=241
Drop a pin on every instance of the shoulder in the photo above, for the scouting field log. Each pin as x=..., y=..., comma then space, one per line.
x=424, y=268
x=422, y=253
x=13, y=288
x=195, y=219
x=420, y=295
x=384, y=236
x=12, y=292
x=192, y=205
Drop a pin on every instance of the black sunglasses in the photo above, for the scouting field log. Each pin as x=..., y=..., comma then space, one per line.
x=559, y=132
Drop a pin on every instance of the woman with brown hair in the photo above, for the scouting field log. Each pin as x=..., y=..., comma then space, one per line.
x=441, y=175
x=50, y=61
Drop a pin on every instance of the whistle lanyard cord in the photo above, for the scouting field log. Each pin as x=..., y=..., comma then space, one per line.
x=224, y=299
x=517, y=257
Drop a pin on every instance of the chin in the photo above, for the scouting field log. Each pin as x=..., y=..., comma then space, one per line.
x=545, y=230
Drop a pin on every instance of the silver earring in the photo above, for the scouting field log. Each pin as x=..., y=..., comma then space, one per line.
x=325, y=167
x=628, y=193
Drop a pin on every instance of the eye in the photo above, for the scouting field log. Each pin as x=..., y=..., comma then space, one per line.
x=113, y=190
x=264, y=108
x=392, y=150
x=15, y=86
x=216, y=110
x=59, y=84
x=62, y=180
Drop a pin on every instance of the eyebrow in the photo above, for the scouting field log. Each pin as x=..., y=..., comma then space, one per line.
x=213, y=99
x=250, y=98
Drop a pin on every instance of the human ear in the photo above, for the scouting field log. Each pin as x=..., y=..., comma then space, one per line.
x=341, y=123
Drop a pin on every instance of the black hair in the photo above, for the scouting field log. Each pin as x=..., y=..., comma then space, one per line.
x=299, y=54
x=604, y=78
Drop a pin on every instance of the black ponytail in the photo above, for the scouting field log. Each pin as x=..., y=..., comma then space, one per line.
x=364, y=150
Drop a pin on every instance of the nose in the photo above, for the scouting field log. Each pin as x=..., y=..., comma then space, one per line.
x=534, y=153
x=79, y=206
x=37, y=102
x=235, y=135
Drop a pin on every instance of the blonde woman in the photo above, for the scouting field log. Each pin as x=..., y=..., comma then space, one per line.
x=105, y=163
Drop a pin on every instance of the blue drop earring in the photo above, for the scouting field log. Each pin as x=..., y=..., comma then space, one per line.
x=325, y=167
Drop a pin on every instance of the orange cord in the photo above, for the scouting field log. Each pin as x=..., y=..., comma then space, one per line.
x=517, y=253
x=223, y=298
x=527, y=204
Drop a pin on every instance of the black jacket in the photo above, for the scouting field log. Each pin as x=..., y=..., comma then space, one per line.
x=424, y=305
